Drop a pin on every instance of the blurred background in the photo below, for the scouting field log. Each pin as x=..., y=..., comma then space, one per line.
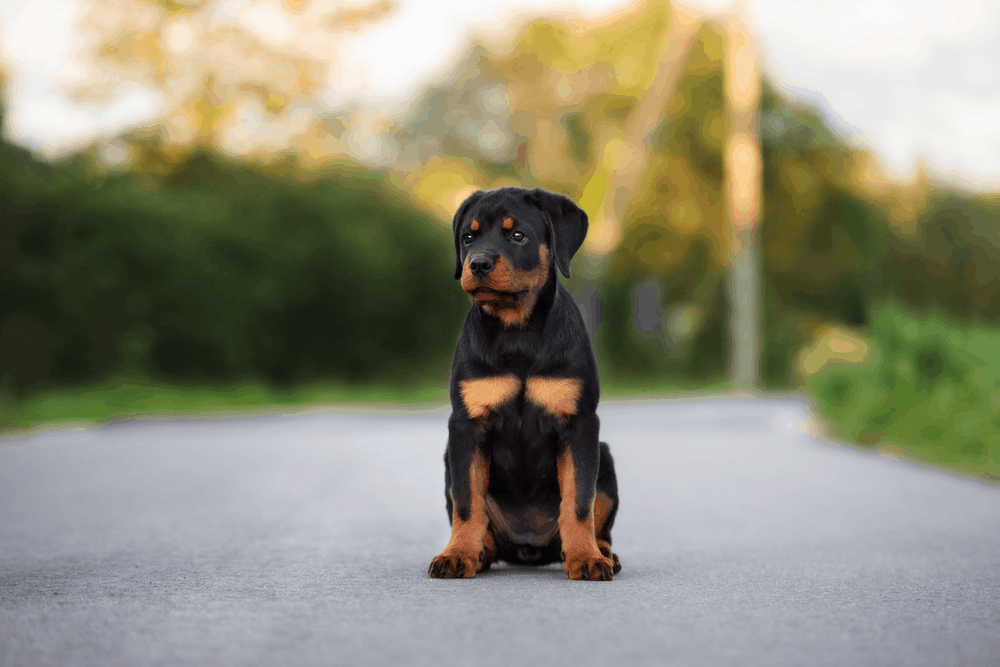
x=227, y=204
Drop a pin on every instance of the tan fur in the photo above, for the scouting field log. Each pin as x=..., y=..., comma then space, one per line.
x=511, y=294
x=483, y=395
x=469, y=280
x=602, y=506
x=469, y=536
x=556, y=396
x=584, y=559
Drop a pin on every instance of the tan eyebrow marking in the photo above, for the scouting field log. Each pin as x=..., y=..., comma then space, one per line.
x=508, y=223
x=474, y=226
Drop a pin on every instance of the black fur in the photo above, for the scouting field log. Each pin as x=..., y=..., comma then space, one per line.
x=520, y=440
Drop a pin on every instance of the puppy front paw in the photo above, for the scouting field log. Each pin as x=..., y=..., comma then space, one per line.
x=589, y=567
x=455, y=565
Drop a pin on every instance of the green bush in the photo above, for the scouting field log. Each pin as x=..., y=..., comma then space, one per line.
x=928, y=388
x=218, y=273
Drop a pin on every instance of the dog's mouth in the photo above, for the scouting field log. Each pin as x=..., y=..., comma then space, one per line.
x=487, y=296
x=490, y=292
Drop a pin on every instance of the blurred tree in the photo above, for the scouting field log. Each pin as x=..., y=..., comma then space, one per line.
x=824, y=241
x=952, y=259
x=243, y=78
x=555, y=110
x=664, y=299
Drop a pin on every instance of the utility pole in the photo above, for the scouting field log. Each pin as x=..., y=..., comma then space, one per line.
x=743, y=165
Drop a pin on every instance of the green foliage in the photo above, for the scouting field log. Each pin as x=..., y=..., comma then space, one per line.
x=640, y=337
x=695, y=132
x=824, y=244
x=929, y=387
x=578, y=137
x=834, y=276
x=954, y=260
x=219, y=274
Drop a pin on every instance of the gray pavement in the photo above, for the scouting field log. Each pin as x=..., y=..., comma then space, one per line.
x=305, y=541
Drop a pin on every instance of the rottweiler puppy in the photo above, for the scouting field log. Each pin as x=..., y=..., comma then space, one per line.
x=527, y=480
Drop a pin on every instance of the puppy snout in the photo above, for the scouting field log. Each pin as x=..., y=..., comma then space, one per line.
x=480, y=265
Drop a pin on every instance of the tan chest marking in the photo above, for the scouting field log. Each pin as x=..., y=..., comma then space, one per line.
x=483, y=395
x=556, y=396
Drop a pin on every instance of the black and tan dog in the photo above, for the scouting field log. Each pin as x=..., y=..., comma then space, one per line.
x=526, y=479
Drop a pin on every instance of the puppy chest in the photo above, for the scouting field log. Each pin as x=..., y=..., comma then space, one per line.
x=484, y=399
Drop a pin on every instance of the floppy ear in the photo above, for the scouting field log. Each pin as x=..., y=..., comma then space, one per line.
x=456, y=224
x=567, y=225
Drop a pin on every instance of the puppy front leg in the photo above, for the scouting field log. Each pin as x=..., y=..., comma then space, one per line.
x=577, y=467
x=463, y=557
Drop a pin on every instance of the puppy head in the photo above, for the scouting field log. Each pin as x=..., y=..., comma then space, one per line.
x=505, y=243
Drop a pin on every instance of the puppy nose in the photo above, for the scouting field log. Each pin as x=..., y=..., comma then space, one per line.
x=480, y=265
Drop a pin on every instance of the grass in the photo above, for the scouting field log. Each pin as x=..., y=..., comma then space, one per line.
x=928, y=390
x=123, y=398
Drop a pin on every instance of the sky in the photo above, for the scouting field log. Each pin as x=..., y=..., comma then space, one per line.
x=913, y=80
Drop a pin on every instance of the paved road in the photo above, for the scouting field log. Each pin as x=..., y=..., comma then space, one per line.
x=305, y=540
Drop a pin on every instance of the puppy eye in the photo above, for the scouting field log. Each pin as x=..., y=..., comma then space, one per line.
x=467, y=238
x=519, y=237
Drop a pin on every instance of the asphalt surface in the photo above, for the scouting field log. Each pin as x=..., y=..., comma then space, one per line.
x=305, y=541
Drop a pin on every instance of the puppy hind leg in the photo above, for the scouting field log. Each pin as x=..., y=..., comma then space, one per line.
x=606, y=505
x=489, y=552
